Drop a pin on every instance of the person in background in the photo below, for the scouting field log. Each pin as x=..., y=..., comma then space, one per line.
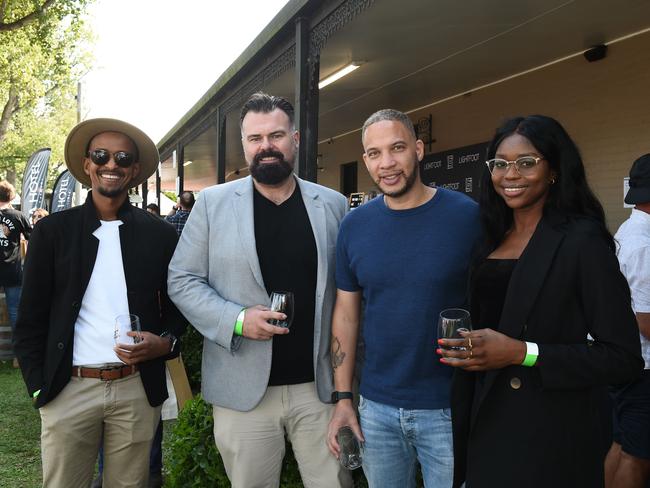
x=13, y=227
x=267, y=232
x=406, y=254
x=552, y=321
x=628, y=462
x=154, y=209
x=14, y=230
x=181, y=212
x=85, y=267
x=38, y=214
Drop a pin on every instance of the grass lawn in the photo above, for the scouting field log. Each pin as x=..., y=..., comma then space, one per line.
x=20, y=430
x=20, y=427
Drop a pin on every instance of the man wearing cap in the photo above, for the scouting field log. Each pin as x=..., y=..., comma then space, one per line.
x=628, y=461
x=86, y=266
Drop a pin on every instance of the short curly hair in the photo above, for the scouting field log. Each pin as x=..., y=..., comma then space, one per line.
x=7, y=191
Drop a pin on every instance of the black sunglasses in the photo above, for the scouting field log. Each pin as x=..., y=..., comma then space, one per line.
x=102, y=156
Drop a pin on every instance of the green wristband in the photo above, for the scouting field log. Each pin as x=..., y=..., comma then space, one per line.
x=532, y=351
x=239, y=324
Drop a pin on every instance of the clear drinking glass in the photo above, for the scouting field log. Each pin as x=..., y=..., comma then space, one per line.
x=127, y=323
x=282, y=301
x=350, y=455
x=451, y=323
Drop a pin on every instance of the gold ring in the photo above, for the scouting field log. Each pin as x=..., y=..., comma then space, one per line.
x=470, y=353
x=469, y=343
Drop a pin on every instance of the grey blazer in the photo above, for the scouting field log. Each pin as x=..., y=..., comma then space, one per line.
x=215, y=273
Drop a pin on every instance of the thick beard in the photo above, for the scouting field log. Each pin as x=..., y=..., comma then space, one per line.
x=408, y=184
x=270, y=173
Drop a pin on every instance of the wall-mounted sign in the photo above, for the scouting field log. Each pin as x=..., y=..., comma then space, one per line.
x=356, y=199
x=626, y=188
x=457, y=169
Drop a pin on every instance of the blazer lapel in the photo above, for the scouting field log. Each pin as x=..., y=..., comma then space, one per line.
x=89, y=244
x=525, y=284
x=242, y=206
x=130, y=251
x=528, y=277
x=316, y=212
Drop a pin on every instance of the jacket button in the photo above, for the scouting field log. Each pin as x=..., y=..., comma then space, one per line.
x=515, y=383
x=60, y=345
x=76, y=305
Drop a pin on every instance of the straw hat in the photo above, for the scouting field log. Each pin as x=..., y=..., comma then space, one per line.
x=77, y=143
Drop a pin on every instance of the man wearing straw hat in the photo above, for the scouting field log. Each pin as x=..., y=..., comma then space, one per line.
x=85, y=267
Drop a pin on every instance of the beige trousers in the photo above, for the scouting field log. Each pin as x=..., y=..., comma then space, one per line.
x=71, y=430
x=251, y=444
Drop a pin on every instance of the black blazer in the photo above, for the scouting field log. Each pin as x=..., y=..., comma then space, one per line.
x=60, y=260
x=541, y=426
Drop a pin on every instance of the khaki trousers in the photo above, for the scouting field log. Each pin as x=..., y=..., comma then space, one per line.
x=71, y=430
x=251, y=444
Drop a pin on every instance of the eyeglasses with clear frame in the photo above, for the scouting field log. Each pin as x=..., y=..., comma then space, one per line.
x=524, y=165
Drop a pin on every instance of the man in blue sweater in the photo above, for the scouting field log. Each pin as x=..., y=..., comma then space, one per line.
x=407, y=255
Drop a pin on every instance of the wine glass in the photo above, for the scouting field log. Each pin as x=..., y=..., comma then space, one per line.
x=351, y=452
x=451, y=323
x=282, y=301
x=127, y=323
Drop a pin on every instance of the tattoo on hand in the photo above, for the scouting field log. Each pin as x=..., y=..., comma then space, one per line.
x=337, y=355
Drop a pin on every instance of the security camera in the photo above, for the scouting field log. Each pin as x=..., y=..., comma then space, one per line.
x=595, y=53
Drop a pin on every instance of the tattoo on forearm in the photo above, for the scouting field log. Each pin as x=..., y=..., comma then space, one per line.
x=337, y=355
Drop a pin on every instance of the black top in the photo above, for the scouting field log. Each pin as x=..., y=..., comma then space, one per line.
x=489, y=288
x=286, y=249
x=12, y=224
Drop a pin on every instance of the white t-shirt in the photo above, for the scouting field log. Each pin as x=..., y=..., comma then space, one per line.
x=105, y=299
x=633, y=242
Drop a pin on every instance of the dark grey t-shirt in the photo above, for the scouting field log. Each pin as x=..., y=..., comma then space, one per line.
x=12, y=224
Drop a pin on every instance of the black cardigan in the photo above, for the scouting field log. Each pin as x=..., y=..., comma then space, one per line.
x=59, y=263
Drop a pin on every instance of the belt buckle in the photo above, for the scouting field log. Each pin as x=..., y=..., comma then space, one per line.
x=107, y=370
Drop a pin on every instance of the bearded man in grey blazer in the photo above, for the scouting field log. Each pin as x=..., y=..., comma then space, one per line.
x=243, y=240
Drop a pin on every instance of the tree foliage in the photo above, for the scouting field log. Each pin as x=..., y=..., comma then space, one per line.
x=41, y=60
x=16, y=14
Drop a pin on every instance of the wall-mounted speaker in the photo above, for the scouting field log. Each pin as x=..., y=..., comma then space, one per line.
x=595, y=53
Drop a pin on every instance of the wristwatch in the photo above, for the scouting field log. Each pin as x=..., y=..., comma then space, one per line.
x=172, y=339
x=341, y=395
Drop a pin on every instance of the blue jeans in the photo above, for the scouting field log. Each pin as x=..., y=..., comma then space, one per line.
x=397, y=437
x=12, y=296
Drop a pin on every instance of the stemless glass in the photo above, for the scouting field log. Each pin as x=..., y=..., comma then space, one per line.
x=350, y=455
x=282, y=301
x=127, y=323
x=451, y=323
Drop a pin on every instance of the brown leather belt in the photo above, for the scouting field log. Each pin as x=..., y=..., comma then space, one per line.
x=104, y=374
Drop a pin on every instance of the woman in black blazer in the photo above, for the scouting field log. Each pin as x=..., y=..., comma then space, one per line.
x=552, y=321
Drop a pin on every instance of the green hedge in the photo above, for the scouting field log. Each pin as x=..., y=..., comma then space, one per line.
x=192, y=350
x=193, y=459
